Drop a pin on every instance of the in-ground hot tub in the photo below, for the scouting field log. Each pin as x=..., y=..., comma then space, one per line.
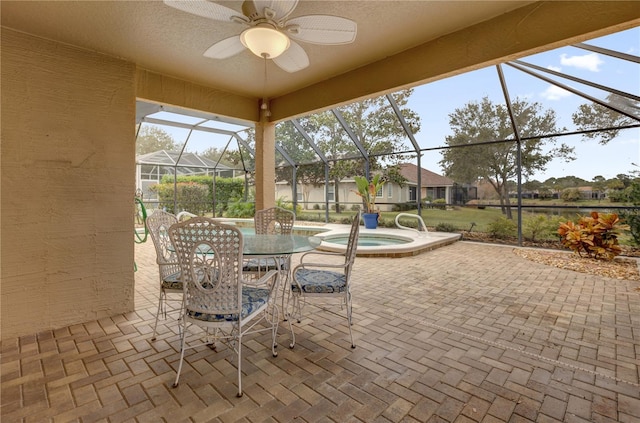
x=368, y=239
x=383, y=242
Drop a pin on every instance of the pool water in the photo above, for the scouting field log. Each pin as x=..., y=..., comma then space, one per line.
x=366, y=240
x=249, y=230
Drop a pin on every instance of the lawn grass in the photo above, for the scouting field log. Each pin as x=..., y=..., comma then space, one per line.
x=463, y=219
x=458, y=217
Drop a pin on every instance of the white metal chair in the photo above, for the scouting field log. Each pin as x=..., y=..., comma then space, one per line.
x=274, y=221
x=158, y=224
x=271, y=221
x=210, y=256
x=329, y=280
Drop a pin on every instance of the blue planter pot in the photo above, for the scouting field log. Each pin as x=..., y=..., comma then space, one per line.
x=370, y=220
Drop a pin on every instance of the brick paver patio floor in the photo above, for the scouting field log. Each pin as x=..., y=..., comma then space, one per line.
x=464, y=333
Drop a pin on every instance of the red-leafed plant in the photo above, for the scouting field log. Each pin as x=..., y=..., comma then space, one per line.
x=595, y=235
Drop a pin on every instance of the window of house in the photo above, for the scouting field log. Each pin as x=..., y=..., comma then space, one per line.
x=299, y=194
x=389, y=190
x=413, y=194
x=331, y=193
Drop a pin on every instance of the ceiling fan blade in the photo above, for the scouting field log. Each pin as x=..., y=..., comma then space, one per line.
x=281, y=8
x=322, y=29
x=225, y=48
x=207, y=9
x=293, y=59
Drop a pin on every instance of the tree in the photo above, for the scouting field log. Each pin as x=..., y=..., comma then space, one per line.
x=214, y=154
x=377, y=128
x=570, y=194
x=308, y=172
x=569, y=181
x=152, y=138
x=496, y=162
x=632, y=216
x=595, y=116
x=599, y=185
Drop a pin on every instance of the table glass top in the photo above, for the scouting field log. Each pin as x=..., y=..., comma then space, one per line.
x=278, y=244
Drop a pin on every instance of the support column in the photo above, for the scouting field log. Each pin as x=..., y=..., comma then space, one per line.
x=265, y=164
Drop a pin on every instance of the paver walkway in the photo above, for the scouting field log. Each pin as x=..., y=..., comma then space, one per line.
x=464, y=333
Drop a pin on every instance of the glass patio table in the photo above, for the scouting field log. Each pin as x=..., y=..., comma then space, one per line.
x=272, y=250
x=277, y=245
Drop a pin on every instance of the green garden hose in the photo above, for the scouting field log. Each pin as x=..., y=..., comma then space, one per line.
x=140, y=218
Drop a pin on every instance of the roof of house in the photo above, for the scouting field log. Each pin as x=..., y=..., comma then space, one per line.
x=428, y=178
x=171, y=158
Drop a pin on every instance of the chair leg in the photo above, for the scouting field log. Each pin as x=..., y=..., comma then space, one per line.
x=293, y=335
x=286, y=287
x=239, y=340
x=182, y=348
x=349, y=317
x=296, y=308
x=155, y=325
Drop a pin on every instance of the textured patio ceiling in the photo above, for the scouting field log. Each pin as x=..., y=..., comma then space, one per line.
x=399, y=44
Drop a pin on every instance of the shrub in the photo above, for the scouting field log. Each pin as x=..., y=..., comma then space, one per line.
x=439, y=203
x=545, y=194
x=227, y=189
x=618, y=195
x=595, y=235
x=288, y=205
x=402, y=207
x=540, y=226
x=570, y=194
x=632, y=217
x=240, y=209
x=502, y=228
x=190, y=196
x=445, y=227
x=411, y=223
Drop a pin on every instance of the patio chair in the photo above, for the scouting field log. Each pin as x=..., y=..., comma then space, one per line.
x=210, y=256
x=168, y=267
x=271, y=221
x=328, y=280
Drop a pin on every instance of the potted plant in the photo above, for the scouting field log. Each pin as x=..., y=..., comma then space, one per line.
x=367, y=191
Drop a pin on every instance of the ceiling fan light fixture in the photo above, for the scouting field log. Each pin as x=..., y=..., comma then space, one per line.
x=264, y=41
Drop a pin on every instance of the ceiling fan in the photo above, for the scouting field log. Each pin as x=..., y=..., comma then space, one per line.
x=270, y=33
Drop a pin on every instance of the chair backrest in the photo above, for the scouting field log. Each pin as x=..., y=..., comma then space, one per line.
x=352, y=245
x=274, y=221
x=210, y=257
x=158, y=224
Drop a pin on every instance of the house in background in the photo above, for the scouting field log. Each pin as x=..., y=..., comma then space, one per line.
x=433, y=186
x=151, y=167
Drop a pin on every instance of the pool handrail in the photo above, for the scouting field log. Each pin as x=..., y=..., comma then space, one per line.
x=184, y=213
x=421, y=223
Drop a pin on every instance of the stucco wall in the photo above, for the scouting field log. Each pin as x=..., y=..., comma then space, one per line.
x=67, y=185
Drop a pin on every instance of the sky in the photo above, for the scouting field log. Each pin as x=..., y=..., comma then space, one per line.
x=435, y=101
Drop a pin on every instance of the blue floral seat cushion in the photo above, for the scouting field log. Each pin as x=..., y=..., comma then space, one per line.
x=315, y=281
x=264, y=264
x=252, y=299
x=172, y=282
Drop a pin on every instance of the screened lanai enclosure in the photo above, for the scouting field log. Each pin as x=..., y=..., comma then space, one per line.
x=554, y=133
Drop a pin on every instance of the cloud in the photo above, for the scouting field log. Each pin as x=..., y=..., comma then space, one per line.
x=554, y=93
x=554, y=68
x=589, y=62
